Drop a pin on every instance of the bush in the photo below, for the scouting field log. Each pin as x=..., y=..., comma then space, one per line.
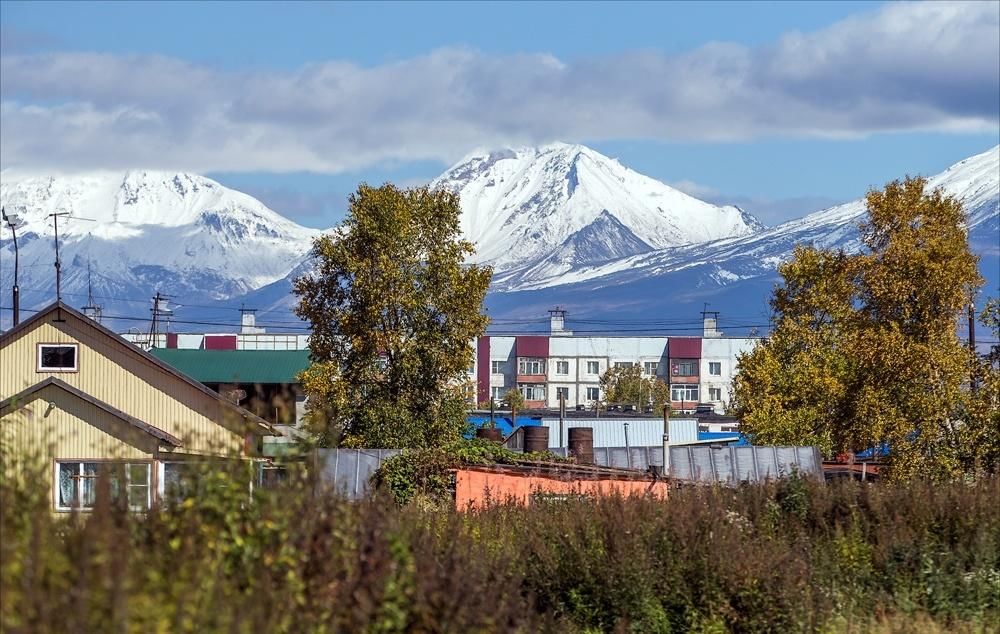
x=791, y=556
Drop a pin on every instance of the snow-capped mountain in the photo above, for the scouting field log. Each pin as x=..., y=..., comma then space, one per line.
x=561, y=206
x=735, y=273
x=182, y=234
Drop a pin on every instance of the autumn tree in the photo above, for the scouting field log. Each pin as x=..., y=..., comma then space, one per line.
x=394, y=309
x=627, y=385
x=515, y=400
x=865, y=348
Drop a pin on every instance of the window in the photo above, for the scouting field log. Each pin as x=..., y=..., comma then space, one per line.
x=686, y=367
x=593, y=393
x=715, y=394
x=57, y=357
x=593, y=367
x=496, y=367
x=562, y=367
x=684, y=393
x=562, y=393
x=76, y=483
x=624, y=364
x=651, y=367
x=715, y=368
x=531, y=366
x=497, y=392
x=532, y=392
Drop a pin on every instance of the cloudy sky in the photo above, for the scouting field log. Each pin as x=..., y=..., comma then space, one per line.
x=782, y=108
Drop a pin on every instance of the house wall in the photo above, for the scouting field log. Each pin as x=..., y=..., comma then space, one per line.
x=725, y=352
x=121, y=377
x=473, y=488
x=55, y=424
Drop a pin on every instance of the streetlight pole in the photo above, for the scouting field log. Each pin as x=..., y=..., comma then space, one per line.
x=13, y=222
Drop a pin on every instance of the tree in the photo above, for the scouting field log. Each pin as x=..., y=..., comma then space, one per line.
x=394, y=309
x=515, y=400
x=865, y=348
x=627, y=385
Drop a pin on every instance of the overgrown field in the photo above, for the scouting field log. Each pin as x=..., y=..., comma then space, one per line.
x=794, y=556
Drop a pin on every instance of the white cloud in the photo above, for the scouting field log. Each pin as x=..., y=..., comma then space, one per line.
x=923, y=66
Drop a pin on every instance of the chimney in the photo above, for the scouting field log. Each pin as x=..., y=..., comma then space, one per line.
x=557, y=323
x=248, y=322
x=711, y=328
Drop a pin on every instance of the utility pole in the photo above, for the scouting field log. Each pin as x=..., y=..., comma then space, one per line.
x=972, y=342
x=562, y=416
x=55, y=224
x=157, y=311
x=13, y=222
x=666, y=440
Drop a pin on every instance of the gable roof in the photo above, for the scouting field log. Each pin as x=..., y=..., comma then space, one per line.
x=237, y=366
x=262, y=425
x=12, y=404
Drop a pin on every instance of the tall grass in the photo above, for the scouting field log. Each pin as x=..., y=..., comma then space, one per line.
x=790, y=556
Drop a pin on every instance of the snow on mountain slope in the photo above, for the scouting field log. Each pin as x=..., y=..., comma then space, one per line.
x=975, y=181
x=182, y=234
x=570, y=205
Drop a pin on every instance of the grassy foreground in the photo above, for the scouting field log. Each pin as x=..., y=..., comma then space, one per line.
x=794, y=556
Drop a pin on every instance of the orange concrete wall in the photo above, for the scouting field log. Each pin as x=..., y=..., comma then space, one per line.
x=474, y=488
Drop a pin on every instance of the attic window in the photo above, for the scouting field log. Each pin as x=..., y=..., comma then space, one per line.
x=57, y=357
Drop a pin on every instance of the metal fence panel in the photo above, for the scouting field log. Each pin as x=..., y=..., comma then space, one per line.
x=347, y=471
x=742, y=464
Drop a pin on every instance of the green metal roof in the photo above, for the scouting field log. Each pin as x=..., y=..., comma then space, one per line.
x=236, y=366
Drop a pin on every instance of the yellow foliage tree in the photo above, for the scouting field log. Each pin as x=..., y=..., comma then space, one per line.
x=865, y=348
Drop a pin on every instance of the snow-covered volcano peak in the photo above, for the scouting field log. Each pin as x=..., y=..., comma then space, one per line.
x=521, y=204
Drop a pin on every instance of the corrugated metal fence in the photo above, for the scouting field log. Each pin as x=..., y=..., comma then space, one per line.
x=348, y=470
x=704, y=463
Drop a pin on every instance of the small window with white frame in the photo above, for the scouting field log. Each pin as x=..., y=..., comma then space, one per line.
x=593, y=393
x=715, y=368
x=496, y=367
x=593, y=367
x=715, y=394
x=562, y=367
x=650, y=368
x=498, y=392
x=57, y=357
x=76, y=484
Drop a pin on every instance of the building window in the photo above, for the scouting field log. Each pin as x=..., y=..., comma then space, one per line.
x=530, y=366
x=684, y=393
x=651, y=367
x=686, y=367
x=593, y=367
x=497, y=392
x=76, y=483
x=496, y=367
x=624, y=364
x=715, y=368
x=715, y=394
x=57, y=357
x=562, y=393
x=593, y=393
x=532, y=392
x=562, y=367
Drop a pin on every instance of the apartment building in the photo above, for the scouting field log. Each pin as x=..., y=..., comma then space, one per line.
x=560, y=364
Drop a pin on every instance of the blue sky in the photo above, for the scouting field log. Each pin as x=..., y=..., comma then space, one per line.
x=781, y=107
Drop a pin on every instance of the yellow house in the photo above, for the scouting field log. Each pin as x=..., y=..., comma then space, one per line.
x=79, y=397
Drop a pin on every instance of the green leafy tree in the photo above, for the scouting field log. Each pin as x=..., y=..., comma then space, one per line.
x=394, y=309
x=627, y=385
x=865, y=348
x=515, y=400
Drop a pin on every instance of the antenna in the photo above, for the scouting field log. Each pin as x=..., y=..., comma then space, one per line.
x=55, y=224
x=91, y=310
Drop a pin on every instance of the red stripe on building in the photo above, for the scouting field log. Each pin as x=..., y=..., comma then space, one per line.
x=531, y=346
x=684, y=347
x=220, y=342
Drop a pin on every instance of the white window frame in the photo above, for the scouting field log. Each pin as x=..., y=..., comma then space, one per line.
x=126, y=466
x=687, y=389
x=714, y=394
x=677, y=364
x=532, y=391
x=562, y=390
x=76, y=357
x=715, y=365
x=593, y=393
x=651, y=367
x=496, y=367
x=562, y=368
x=531, y=366
x=497, y=392
x=591, y=365
x=624, y=364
